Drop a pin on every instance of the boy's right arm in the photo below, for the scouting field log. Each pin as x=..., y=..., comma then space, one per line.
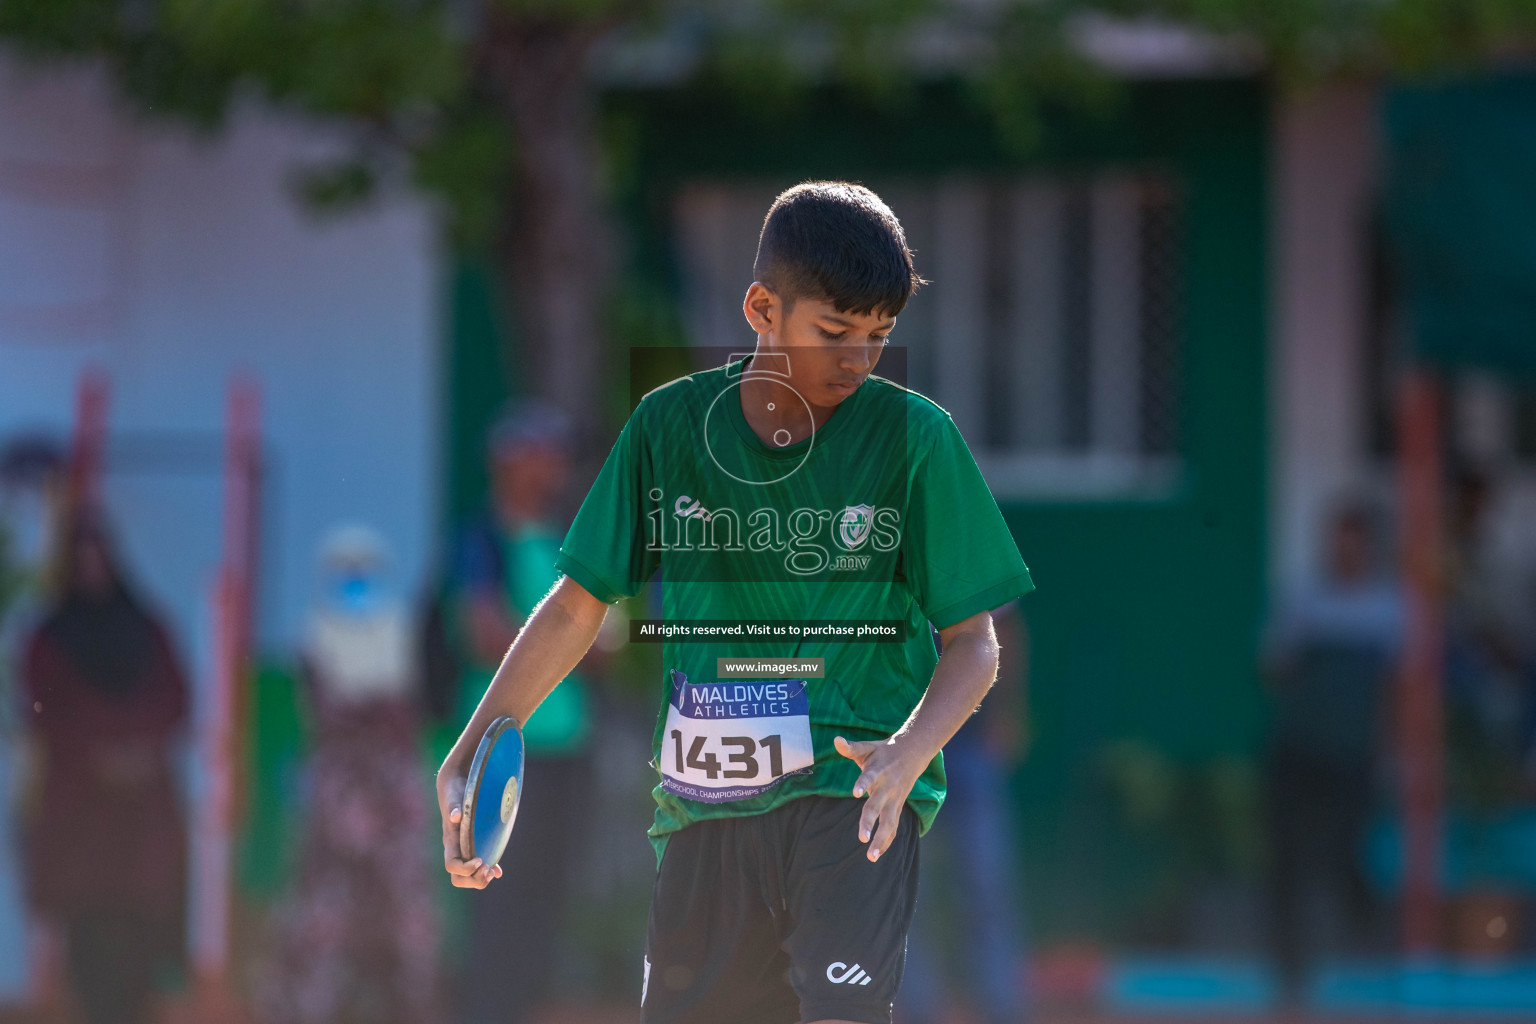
x=548, y=647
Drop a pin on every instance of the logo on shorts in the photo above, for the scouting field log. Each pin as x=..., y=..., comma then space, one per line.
x=854, y=975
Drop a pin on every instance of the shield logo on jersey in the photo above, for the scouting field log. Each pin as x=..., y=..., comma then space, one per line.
x=853, y=525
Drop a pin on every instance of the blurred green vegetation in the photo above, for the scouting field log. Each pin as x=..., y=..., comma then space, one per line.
x=276, y=743
x=492, y=106
x=12, y=578
x=416, y=78
x=1204, y=818
x=15, y=580
x=1200, y=826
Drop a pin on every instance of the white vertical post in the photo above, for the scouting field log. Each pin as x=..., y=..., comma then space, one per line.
x=914, y=328
x=701, y=218
x=1035, y=316
x=960, y=302
x=1115, y=351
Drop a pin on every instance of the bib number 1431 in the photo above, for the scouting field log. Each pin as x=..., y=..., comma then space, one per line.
x=730, y=741
x=741, y=758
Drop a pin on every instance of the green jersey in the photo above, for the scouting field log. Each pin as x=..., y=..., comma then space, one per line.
x=881, y=514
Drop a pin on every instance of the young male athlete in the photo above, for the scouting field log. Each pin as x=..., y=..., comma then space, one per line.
x=783, y=489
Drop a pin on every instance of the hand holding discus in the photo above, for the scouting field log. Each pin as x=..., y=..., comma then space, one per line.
x=480, y=809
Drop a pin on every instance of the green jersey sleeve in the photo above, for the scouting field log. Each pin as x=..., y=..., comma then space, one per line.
x=606, y=549
x=961, y=558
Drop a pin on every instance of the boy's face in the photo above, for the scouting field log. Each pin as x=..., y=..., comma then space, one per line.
x=829, y=353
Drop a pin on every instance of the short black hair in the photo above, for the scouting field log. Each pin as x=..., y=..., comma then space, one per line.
x=836, y=241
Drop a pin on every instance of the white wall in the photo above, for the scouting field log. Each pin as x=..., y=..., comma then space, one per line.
x=175, y=261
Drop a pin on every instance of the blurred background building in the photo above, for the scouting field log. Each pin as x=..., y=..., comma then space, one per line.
x=1176, y=285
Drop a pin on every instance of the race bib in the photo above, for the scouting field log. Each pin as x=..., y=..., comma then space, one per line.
x=730, y=741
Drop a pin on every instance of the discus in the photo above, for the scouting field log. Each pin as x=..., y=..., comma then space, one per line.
x=492, y=792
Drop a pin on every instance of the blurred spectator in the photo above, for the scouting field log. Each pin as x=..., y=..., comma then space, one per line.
x=1330, y=655
x=506, y=564
x=356, y=940
x=975, y=831
x=107, y=841
x=1490, y=703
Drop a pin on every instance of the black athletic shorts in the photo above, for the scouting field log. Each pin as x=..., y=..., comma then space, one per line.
x=778, y=918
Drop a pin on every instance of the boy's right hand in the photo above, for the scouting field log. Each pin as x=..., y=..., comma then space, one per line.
x=466, y=874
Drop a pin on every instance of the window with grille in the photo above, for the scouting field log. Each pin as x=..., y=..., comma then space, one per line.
x=1050, y=331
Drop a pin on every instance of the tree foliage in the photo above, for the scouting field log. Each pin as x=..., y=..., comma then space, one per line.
x=1308, y=39
x=414, y=79
x=490, y=105
x=409, y=75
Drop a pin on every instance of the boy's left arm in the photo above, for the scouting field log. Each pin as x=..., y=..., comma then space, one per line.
x=966, y=670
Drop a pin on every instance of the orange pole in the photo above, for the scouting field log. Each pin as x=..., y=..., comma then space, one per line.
x=1420, y=710
x=90, y=439
x=218, y=743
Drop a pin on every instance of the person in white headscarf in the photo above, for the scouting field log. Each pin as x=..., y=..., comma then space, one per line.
x=356, y=939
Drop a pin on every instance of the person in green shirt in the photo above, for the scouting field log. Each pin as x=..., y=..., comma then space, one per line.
x=791, y=486
x=504, y=564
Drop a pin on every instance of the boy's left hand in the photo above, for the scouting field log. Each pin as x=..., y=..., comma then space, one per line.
x=891, y=768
